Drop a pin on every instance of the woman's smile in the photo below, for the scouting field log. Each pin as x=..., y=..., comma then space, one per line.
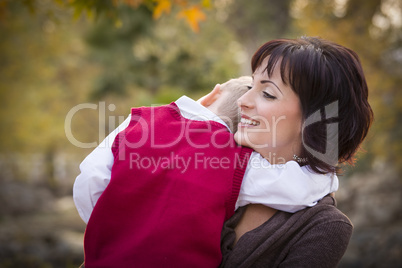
x=246, y=121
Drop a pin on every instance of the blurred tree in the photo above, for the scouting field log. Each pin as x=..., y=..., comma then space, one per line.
x=259, y=22
x=42, y=76
x=189, y=10
x=111, y=47
x=161, y=54
x=47, y=70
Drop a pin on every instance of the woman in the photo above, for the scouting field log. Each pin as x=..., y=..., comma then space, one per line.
x=308, y=103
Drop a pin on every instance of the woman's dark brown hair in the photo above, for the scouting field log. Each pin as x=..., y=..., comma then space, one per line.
x=329, y=80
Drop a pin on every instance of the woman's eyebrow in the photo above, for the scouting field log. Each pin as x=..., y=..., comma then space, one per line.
x=269, y=81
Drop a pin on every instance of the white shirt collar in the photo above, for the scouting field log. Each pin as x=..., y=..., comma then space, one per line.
x=193, y=110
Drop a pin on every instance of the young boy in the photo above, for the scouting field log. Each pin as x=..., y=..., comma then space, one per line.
x=173, y=177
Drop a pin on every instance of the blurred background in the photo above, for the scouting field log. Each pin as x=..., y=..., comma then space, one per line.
x=71, y=70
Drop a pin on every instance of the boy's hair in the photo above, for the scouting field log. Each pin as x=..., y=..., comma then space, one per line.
x=228, y=110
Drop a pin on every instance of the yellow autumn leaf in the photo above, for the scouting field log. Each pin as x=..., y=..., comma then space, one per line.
x=162, y=6
x=193, y=16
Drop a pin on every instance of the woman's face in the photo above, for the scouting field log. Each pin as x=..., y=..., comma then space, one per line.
x=271, y=117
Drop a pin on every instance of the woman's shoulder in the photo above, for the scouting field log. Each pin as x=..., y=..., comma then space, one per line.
x=327, y=211
x=317, y=231
x=323, y=220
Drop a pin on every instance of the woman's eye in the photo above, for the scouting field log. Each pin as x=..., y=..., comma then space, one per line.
x=268, y=96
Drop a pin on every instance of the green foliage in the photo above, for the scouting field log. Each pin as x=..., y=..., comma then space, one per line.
x=260, y=21
x=143, y=53
x=41, y=77
x=47, y=69
x=133, y=23
x=112, y=48
x=93, y=7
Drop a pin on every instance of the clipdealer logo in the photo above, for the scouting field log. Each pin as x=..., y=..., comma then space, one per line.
x=328, y=114
x=101, y=119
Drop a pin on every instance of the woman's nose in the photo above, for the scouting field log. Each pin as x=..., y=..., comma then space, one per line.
x=245, y=101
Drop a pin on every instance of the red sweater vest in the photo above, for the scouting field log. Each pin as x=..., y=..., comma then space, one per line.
x=174, y=183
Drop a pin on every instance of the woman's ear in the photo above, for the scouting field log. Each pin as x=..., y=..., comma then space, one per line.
x=211, y=97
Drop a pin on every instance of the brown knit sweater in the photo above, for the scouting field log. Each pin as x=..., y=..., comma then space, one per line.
x=313, y=237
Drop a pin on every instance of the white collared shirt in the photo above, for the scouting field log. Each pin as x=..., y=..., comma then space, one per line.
x=286, y=187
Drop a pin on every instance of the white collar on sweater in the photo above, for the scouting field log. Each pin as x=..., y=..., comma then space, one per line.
x=193, y=110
